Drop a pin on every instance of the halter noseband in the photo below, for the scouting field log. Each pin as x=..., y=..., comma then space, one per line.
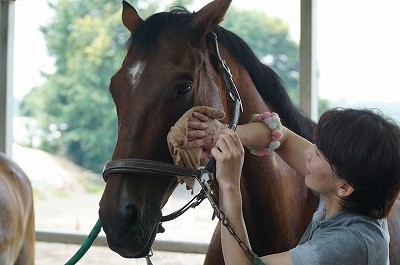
x=204, y=175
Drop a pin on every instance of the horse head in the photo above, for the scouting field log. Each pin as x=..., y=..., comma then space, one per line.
x=166, y=71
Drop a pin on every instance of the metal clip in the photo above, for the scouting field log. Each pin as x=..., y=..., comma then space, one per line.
x=148, y=261
x=205, y=175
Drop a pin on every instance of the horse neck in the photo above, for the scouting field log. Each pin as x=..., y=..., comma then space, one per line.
x=275, y=198
x=268, y=171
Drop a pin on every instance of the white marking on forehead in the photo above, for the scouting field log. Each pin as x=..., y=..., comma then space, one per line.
x=136, y=72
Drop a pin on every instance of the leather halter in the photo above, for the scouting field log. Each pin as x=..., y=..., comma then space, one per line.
x=132, y=165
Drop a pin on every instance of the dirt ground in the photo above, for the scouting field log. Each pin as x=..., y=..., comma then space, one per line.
x=52, y=253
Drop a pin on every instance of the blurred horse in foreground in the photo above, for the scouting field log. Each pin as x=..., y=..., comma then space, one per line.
x=17, y=220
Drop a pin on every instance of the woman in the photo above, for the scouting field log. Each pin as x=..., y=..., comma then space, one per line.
x=353, y=167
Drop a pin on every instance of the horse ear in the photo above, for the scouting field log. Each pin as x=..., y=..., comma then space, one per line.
x=130, y=17
x=207, y=18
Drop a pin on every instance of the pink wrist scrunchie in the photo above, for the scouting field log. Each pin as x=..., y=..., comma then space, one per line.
x=272, y=120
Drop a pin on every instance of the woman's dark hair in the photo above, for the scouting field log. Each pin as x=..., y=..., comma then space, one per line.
x=363, y=148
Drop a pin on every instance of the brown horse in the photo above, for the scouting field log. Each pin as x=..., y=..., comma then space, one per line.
x=17, y=220
x=171, y=65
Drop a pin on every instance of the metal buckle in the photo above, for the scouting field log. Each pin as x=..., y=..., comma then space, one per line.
x=148, y=261
x=206, y=182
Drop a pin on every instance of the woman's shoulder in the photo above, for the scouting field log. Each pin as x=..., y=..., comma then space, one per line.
x=366, y=229
x=370, y=227
x=350, y=239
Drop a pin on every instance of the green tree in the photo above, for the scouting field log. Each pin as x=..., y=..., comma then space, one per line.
x=270, y=40
x=73, y=107
x=182, y=2
x=86, y=38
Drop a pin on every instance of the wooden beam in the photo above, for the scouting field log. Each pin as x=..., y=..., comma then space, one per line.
x=77, y=238
x=7, y=11
x=308, y=62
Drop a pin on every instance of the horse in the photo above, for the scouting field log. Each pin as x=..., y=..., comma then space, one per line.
x=17, y=219
x=172, y=65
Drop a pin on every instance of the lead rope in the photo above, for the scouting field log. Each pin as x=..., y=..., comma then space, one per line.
x=208, y=186
x=86, y=244
x=225, y=222
x=89, y=242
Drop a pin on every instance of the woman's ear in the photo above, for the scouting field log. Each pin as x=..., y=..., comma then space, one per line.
x=344, y=189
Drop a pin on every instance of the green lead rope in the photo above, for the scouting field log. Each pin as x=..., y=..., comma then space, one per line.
x=257, y=261
x=92, y=237
x=86, y=244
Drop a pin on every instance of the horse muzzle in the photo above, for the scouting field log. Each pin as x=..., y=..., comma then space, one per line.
x=131, y=238
x=130, y=225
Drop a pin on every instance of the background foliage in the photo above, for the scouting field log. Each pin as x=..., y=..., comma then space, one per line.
x=74, y=109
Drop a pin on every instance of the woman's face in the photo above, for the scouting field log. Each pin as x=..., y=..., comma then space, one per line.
x=320, y=176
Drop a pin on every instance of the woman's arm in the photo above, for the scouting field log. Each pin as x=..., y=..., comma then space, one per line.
x=229, y=155
x=292, y=150
x=204, y=132
x=230, y=201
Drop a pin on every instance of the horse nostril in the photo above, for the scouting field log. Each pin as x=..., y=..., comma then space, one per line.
x=130, y=218
x=131, y=213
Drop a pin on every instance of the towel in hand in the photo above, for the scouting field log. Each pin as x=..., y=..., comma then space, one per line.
x=177, y=138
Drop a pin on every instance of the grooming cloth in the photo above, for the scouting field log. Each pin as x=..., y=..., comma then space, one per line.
x=177, y=138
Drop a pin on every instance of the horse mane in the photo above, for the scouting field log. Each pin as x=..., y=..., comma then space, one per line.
x=268, y=84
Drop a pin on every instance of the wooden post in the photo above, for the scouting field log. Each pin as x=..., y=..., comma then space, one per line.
x=7, y=10
x=308, y=65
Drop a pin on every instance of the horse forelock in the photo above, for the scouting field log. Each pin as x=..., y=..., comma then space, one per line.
x=146, y=36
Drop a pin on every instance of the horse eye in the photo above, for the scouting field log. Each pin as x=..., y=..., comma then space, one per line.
x=184, y=88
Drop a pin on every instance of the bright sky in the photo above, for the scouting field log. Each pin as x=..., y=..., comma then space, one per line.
x=357, y=45
x=30, y=52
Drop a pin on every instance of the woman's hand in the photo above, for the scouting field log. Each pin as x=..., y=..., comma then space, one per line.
x=203, y=131
x=229, y=155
